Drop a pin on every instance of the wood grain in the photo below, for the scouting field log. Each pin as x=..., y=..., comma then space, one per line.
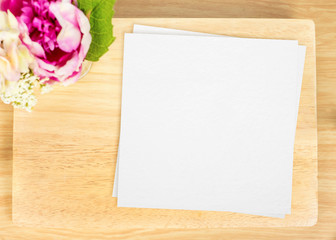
x=64, y=152
x=323, y=12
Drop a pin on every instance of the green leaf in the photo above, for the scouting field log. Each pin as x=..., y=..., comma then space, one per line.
x=100, y=13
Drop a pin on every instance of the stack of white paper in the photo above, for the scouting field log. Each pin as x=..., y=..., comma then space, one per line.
x=208, y=122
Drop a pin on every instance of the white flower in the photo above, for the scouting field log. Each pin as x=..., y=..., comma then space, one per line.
x=15, y=58
x=21, y=93
x=46, y=88
x=17, y=83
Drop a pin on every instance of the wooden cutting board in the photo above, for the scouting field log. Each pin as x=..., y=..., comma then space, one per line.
x=65, y=151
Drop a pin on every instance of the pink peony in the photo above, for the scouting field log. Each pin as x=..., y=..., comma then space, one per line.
x=57, y=33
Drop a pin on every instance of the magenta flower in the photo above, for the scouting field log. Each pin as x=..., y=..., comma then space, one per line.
x=57, y=33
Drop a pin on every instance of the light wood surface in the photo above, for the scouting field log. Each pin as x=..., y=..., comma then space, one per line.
x=64, y=152
x=323, y=12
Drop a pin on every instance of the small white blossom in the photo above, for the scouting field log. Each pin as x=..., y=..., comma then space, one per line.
x=21, y=93
x=46, y=88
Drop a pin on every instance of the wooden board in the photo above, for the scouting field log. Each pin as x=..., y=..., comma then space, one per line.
x=64, y=153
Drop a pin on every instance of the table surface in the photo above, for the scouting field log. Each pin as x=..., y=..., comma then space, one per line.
x=65, y=151
x=323, y=13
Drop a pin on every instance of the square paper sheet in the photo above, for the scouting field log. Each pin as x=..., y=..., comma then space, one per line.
x=158, y=30
x=194, y=111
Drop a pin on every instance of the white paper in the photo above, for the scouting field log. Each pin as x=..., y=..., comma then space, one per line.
x=192, y=89
x=158, y=30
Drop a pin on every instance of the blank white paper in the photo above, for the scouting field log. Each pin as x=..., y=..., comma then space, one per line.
x=191, y=129
x=157, y=30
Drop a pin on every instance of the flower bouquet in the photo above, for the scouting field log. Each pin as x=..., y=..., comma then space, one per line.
x=45, y=42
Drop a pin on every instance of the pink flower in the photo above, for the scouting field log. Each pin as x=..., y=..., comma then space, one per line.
x=57, y=33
